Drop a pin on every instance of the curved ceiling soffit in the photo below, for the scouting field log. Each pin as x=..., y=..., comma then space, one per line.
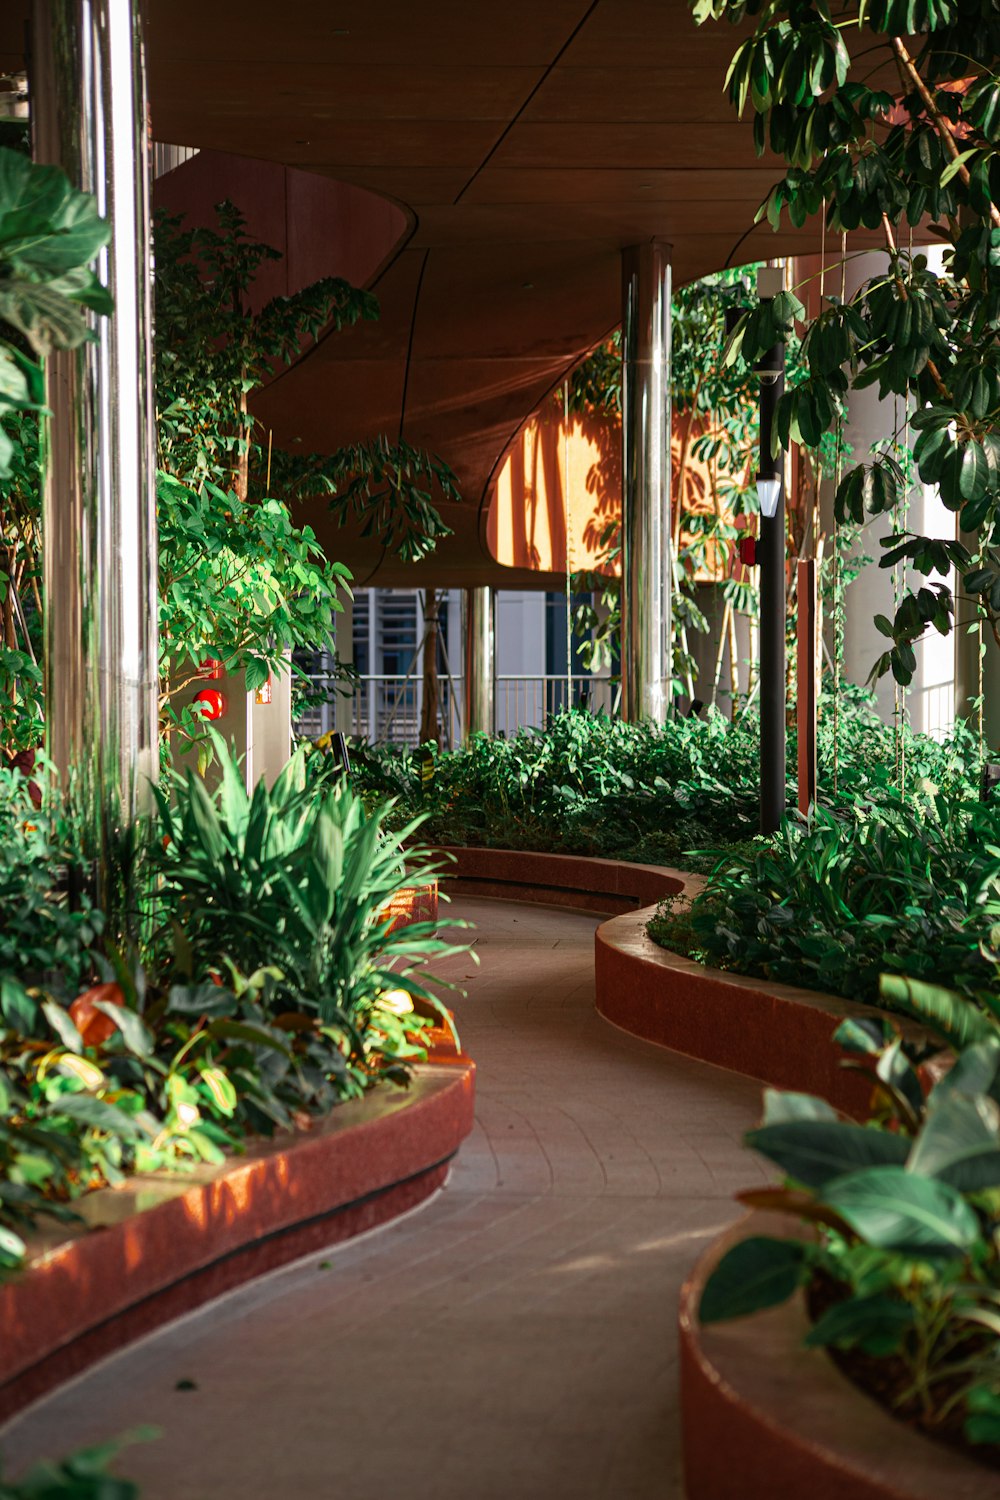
x=268, y=193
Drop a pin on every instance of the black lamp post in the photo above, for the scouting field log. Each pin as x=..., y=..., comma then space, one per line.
x=771, y=557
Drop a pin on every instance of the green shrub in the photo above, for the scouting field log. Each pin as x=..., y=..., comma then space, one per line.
x=587, y=784
x=45, y=936
x=295, y=876
x=82, y=1476
x=833, y=902
x=271, y=988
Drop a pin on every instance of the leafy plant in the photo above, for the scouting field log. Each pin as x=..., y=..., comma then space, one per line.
x=49, y=235
x=81, y=1476
x=216, y=347
x=902, y=1247
x=47, y=927
x=240, y=583
x=835, y=901
x=298, y=872
x=588, y=784
x=883, y=160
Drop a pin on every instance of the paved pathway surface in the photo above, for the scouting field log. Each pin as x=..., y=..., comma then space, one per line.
x=513, y=1338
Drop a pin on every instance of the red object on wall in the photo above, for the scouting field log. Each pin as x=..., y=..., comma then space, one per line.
x=212, y=703
x=211, y=668
x=748, y=551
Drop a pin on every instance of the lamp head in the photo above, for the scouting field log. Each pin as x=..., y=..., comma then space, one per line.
x=768, y=493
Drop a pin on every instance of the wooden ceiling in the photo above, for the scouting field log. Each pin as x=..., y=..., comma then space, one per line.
x=528, y=143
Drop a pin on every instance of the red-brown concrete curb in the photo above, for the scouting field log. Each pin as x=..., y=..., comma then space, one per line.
x=765, y=1419
x=162, y=1244
x=601, y=885
x=774, y=1032
x=411, y=904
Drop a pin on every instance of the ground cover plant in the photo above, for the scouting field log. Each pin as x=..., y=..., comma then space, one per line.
x=834, y=902
x=265, y=987
x=898, y=1253
x=587, y=784
x=83, y=1475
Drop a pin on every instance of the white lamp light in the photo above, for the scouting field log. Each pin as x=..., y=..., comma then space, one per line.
x=768, y=491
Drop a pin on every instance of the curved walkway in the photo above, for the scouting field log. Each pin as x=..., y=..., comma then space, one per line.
x=515, y=1337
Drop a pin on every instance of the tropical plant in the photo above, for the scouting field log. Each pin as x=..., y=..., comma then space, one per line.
x=273, y=986
x=48, y=921
x=215, y=348
x=887, y=161
x=901, y=1255
x=587, y=784
x=300, y=872
x=835, y=901
x=81, y=1476
x=240, y=583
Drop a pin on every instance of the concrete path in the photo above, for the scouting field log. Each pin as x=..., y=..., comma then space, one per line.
x=513, y=1338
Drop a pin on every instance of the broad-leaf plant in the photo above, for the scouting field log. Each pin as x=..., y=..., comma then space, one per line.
x=887, y=116
x=49, y=237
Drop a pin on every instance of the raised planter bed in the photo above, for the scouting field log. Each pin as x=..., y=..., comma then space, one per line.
x=599, y=885
x=163, y=1244
x=763, y=1416
x=777, y=1033
x=411, y=904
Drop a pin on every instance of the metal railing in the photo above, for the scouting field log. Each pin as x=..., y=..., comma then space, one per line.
x=386, y=706
x=527, y=701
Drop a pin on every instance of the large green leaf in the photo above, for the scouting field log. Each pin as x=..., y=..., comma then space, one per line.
x=781, y=1106
x=894, y=1209
x=758, y=1272
x=46, y=225
x=875, y=1323
x=814, y=1151
x=960, y=1142
x=135, y=1034
x=47, y=318
x=952, y=1015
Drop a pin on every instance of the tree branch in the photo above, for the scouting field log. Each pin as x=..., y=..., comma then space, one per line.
x=943, y=126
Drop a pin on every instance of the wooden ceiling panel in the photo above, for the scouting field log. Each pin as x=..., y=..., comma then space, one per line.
x=600, y=144
x=528, y=142
x=330, y=91
x=367, y=35
x=616, y=188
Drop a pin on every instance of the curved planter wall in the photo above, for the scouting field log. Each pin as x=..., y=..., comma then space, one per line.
x=774, y=1032
x=163, y=1244
x=599, y=885
x=763, y=1416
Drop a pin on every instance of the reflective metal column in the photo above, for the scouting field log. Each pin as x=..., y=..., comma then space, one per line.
x=646, y=540
x=99, y=506
x=478, y=697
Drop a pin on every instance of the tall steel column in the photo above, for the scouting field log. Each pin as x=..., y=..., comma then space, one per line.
x=99, y=506
x=646, y=539
x=478, y=698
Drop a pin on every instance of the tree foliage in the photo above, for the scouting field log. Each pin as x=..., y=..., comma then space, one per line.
x=215, y=348
x=715, y=423
x=887, y=117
